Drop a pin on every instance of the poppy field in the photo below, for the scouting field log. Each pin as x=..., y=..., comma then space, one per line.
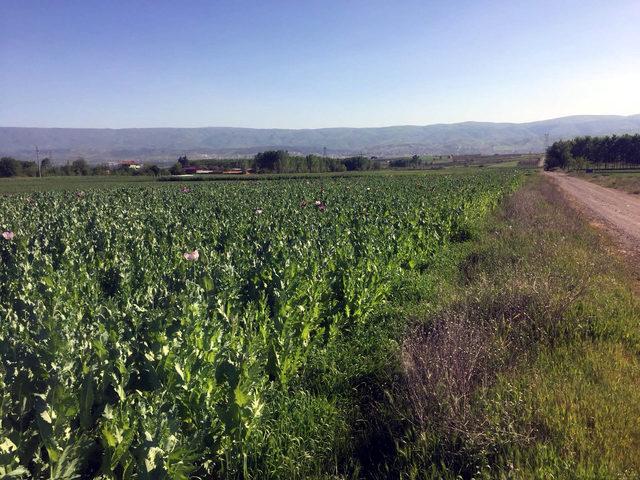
x=208, y=330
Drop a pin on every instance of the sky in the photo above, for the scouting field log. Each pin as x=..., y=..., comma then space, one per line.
x=310, y=64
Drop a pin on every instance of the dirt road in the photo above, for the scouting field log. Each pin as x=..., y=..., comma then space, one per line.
x=617, y=210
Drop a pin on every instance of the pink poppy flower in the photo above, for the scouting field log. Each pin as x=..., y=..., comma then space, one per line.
x=8, y=235
x=80, y=194
x=185, y=189
x=258, y=211
x=191, y=256
x=318, y=203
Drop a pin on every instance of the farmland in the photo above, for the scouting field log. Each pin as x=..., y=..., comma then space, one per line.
x=213, y=329
x=31, y=184
x=452, y=324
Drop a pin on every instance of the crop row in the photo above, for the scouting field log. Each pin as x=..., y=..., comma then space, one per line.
x=161, y=332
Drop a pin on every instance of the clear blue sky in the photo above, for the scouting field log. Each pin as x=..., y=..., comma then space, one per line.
x=306, y=64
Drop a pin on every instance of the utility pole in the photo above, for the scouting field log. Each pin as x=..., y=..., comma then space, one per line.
x=38, y=162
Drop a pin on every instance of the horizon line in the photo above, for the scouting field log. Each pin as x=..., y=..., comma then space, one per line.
x=331, y=128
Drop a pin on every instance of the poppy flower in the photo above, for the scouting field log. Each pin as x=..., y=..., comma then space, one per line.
x=191, y=256
x=8, y=235
x=185, y=189
x=258, y=211
x=318, y=203
x=80, y=194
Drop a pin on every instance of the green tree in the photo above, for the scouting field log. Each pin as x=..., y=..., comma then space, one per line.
x=558, y=155
x=582, y=147
x=80, y=167
x=100, y=170
x=45, y=164
x=176, y=169
x=271, y=161
x=357, y=163
x=9, y=167
x=28, y=169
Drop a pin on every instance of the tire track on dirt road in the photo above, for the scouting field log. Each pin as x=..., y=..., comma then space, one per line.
x=618, y=211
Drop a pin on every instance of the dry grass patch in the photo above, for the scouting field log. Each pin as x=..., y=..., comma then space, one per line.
x=530, y=369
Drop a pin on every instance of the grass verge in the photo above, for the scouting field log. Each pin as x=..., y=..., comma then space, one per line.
x=626, y=181
x=529, y=367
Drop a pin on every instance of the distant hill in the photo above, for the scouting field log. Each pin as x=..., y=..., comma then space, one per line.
x=165, y=144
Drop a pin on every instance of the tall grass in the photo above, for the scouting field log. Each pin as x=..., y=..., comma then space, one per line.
x=530, y=369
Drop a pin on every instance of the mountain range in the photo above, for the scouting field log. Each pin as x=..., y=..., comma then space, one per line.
x=165, y=144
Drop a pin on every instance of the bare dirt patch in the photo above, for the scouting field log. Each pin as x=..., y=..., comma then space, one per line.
x=614, y=212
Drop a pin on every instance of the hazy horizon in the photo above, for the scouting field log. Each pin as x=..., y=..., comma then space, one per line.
x=295, y=65
x=321, y=128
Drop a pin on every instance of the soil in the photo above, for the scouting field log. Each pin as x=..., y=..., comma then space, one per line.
x=614, y=211
x=618, y=211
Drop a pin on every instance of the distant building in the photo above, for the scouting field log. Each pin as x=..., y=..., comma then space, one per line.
x=123, y=164
x=133, y=164
x=234, y=171
x=193, y=169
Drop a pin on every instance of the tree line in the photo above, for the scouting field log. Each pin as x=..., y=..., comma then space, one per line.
x=272, y=161
x=10, y=167
x=413, y=162
x=280, y=161
x=584, y=152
